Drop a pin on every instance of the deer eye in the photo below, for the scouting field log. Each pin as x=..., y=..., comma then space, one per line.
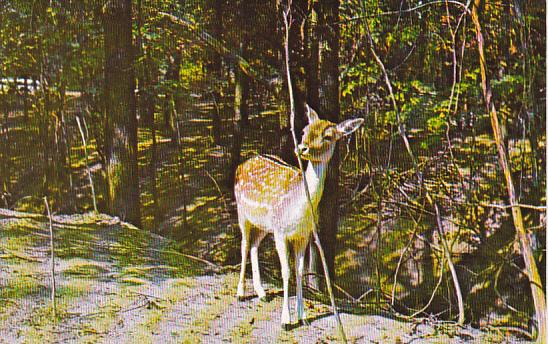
x=328, y=135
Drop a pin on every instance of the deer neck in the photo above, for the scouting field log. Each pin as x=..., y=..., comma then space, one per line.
x=315, y=178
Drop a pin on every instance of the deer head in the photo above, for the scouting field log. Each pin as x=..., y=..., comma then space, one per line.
x=320, y=136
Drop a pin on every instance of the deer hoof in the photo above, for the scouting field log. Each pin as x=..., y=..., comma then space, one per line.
x=240, y=298
x=286, y=327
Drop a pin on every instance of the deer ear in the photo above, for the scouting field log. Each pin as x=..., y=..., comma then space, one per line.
x=311, y=114
x=349, y=126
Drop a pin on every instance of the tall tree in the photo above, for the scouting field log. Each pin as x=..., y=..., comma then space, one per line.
x=531, y=270
x=298, y=65
x=170, y=101
x=313, y=57
x=216, y=66
x=328, y=34
x=241, y=90
x=120, y=107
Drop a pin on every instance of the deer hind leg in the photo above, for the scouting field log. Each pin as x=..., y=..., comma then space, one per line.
x=245, y=228
x=281, y=247
x=313, y=279
x=254, y=252
x=300, y=249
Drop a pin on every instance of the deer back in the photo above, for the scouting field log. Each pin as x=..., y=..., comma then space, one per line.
x=269, y=193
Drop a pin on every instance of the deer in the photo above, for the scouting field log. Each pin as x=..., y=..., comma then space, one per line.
x=271, y=199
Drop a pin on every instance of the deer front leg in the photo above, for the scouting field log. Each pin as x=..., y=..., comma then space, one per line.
x=245, y=228
x=254, y=252
x=281, y=247
x=299, y=269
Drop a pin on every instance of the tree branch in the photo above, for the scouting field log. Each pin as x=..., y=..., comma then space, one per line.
x=52, y=266
x=287, y=23
x=401, y=130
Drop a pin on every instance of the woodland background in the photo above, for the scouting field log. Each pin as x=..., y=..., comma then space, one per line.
x=143, y=109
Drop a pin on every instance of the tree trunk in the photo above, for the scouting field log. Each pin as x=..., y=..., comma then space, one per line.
x=216, y=117
x=328, y=15
x=150, y=105
x=184, y=187
x=313, y=60
x=313, y=100
x=525, y=243
x=297, y=65
x=241, y=94
x=121, y=118
x=172, y=74
x=5, y=153
x=216, y=70
x=43, y=127
x=26, y=97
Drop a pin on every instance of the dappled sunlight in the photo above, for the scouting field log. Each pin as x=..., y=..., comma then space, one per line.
x=431, y=214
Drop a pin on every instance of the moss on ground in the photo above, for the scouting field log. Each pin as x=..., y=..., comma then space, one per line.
x=84, y=268
x=176, y=292
x=89, y=249
x=214, y=308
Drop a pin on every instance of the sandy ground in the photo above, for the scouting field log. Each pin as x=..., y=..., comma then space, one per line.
x=103, y=298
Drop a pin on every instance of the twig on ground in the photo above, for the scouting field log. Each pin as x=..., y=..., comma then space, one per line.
x=522, y=332
x=5, y=300
x=148, y=295
x=207, y=262
x=339, y=288
x=501, y=298
x=365, y=294
x=400, y=261
x=52, y=267
x=442, y=266
x=21, y=256
x=504, y=206
x=145, y=304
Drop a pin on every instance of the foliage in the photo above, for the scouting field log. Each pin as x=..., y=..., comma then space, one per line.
x=52, y=70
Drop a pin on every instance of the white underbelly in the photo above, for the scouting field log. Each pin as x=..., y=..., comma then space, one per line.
x=293, y=220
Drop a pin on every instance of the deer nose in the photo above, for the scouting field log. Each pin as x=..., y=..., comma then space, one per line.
x=303, y=149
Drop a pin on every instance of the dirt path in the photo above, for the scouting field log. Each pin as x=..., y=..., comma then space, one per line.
x=118, y=284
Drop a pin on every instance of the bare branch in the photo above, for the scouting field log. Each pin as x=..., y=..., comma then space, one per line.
x=94, y=199
x=52, y=266
x=431, y=201
x=539, y=296
x=287, y=23
x=412, y=9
